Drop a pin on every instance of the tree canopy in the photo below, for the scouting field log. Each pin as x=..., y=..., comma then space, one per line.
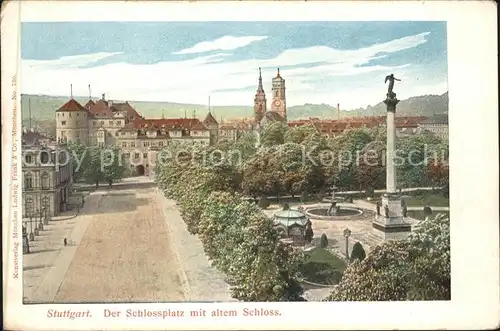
x=415, y=269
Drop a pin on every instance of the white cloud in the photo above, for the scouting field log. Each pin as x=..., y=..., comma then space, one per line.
x=69, y=61
x=225, y=43
x=344, y=76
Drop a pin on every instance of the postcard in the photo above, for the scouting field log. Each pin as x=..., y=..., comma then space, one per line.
x=249, y=165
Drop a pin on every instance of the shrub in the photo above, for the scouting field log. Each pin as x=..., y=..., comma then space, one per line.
x=309, y=233
x=427, y=211
x=307, y=197
x=358, y=252
x=264, y=203
x=286, y=206
x=323, y=242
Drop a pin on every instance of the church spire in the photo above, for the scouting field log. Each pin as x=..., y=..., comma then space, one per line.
x=260, y=88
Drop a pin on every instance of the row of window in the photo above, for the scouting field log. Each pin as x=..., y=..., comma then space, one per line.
x=69, y=114
x=102, y=123
x=44, y=158
x=29, y=205
x=45, y=181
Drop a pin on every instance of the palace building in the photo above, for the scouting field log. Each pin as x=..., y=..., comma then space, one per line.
x=47, y=176
x=107, y=123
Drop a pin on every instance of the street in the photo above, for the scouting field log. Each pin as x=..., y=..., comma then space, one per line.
x=120, y=249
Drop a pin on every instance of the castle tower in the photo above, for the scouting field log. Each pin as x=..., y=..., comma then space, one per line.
x=72, y=123
x=279, y=100
x=260, y=103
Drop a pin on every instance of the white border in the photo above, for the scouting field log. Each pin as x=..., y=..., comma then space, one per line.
x=472, y=80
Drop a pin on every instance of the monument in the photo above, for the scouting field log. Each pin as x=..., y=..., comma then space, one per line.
x=391, y=225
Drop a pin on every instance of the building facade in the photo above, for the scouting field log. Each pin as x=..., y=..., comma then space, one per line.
x=106, y=123
x=47, y=178
x=437, y=125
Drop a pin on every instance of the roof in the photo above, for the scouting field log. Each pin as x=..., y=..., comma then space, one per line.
x=132, y=114
x=290, y=213
x=89, y=104
x=274, y=116
x=228, y=127
x=436, y=119
x=198, y=126
x=101, y=109
x=290, y=217
x=170, y=123
x=72, y=105
x=210, y=119
x=32, y=137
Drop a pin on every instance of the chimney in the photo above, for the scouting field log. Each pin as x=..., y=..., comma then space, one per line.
x=90, y=93
x=103, y=97
x=110, y=103
x=71, y=92
x=338, y=111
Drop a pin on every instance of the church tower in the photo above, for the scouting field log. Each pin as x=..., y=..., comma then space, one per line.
x=259, y=106
x=279, y=99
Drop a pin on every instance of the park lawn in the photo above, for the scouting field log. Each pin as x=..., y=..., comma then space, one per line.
x=419, y=199
x=419, y=214
x=322, y=267
x=427, y=199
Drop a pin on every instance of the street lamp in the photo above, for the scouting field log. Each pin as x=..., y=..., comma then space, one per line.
x=32, y=235
x=37, y=212
x=40, y=225
x=45, y=216
x=347, y=234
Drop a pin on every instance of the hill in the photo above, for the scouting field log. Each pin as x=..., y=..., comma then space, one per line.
x=425, y=105
x=43, y=108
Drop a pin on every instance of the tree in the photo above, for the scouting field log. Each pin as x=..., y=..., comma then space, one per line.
x=286, y=162
x=323, y=242
x=273, y=134
x=112, y=162
x=263, y=268
x=309, y=233
x=437, y=173
x=358, y=252
x=246, y=146
x=261, y=176
x=413, y=156
x=94, y=171
x=370, y=170
x=427, y=211
x=298, y=134
x=79, y=154
x=415, y=269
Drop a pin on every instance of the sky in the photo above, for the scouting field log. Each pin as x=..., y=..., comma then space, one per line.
x=186, y=62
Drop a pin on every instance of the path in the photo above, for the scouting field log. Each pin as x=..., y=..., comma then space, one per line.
x=129, y=244
x=205, y=282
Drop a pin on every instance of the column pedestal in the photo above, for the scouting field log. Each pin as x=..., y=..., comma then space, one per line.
x=392, y=226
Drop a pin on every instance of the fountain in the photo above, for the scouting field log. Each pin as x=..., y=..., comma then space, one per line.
x=333, y=211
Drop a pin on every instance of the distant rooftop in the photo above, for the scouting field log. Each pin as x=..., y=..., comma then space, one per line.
x=436, y=119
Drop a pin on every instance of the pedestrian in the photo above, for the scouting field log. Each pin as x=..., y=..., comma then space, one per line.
x=65, y=241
